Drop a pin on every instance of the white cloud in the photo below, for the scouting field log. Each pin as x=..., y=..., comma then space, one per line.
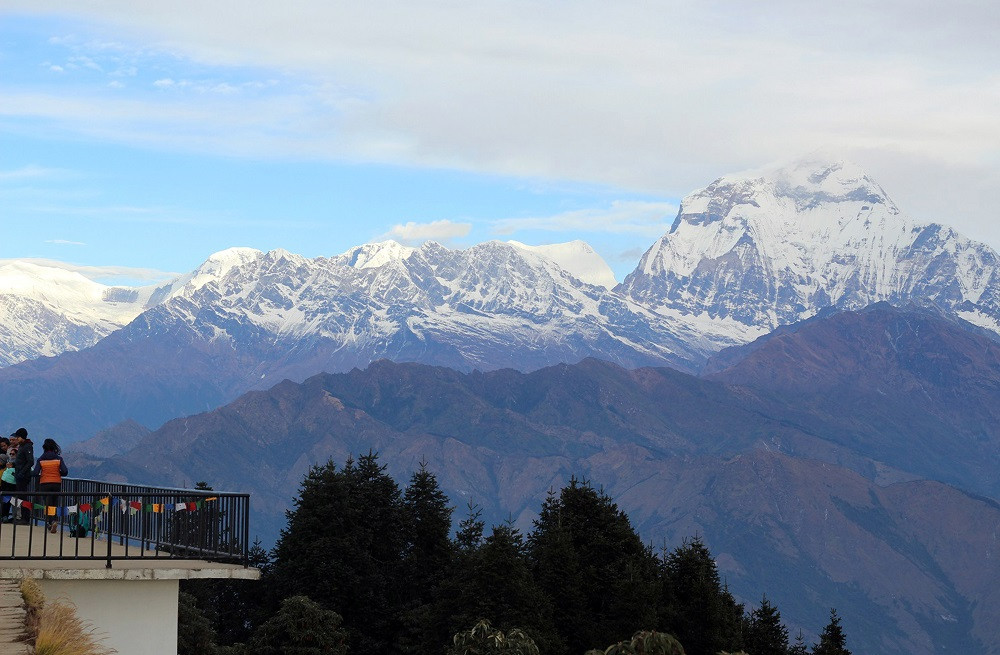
x=65, y=242
x=442, y=230
x=100, y=273
x=656, y=96
x=623, y=217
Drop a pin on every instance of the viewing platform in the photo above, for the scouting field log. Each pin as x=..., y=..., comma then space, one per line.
x=118, y=552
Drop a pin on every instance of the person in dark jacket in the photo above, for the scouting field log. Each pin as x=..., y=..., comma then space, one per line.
x=24, y=460
x=50, y=469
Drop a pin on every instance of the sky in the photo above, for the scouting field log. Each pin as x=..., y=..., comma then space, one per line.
x=137, y=138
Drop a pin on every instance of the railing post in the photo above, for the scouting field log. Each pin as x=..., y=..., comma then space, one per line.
x=107, y=530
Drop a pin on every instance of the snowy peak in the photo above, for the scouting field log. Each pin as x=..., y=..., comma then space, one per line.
x=374, y=255
x=217, y=266
x=804, y=184
x=811, y=181
x=69, y=293
x=578, y=259
x=774, y=245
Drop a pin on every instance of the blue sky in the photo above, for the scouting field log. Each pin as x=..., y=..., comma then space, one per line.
x=142, y=137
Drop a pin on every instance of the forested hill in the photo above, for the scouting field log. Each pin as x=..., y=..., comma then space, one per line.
x=786, y=484
x=368, y=566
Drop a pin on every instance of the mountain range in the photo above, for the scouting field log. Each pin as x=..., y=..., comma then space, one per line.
x=818, y=506
x=796, y=370
x=745, y=255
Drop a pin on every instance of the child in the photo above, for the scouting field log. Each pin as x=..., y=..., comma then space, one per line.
x=7, y=487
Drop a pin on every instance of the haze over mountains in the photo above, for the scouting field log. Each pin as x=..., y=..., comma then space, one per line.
x=826, y=507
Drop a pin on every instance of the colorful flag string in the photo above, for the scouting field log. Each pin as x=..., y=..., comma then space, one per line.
x=132, y=506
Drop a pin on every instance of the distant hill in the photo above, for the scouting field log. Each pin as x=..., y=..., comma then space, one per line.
x=913, y=390
x=749, y=253
x=812, y=464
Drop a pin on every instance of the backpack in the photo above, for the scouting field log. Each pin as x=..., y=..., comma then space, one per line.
x=79, y=524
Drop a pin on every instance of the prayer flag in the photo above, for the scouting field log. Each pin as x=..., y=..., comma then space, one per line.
x=50, y=510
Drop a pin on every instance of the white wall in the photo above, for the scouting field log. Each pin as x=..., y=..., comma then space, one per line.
x=139, y=617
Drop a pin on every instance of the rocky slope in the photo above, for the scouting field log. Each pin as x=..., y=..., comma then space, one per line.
x=247, y=319
x=821, y=497
x=771, y=247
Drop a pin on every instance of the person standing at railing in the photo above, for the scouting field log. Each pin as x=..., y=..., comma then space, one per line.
x=50, y=469
x=8, y=484
x=23, y=461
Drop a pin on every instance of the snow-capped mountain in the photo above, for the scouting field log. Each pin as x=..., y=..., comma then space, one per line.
x=489, y=306
x=773, y=246
x=260, y=317
x=46, y=309
x=577, y=258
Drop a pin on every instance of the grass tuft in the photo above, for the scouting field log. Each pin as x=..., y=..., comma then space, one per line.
x=34, y=601
x=62, y=632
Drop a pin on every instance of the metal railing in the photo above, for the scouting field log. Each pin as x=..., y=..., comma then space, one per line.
x=96, y=520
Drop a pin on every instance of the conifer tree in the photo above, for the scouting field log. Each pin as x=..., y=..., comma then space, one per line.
x=798, y=647
x=427, y=560
x=696, y=608
x=591, y=563
x=492, y=581
x=765, y=633
x=832, y=640
x=343, y=548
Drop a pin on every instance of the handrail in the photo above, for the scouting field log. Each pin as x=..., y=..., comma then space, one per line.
x=184, y=490
x=135, y=521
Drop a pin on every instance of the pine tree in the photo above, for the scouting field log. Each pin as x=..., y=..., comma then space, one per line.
x=343, y=548
x=587, y=557
x=427, y=560
x=799, y=646
x=493, y=582
x=765, y=633
x=696, y=608
x=832, y=640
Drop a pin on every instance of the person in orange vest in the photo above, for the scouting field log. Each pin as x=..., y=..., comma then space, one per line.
x=50, y=469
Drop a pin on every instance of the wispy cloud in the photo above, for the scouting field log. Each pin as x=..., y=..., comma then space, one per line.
x=30, y=172
x=586, y=91
x=65, y=242
x=622, y=217
x=412, y=232
x=103, y=273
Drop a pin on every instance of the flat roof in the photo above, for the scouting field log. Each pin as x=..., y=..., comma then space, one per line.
x=16, y=563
